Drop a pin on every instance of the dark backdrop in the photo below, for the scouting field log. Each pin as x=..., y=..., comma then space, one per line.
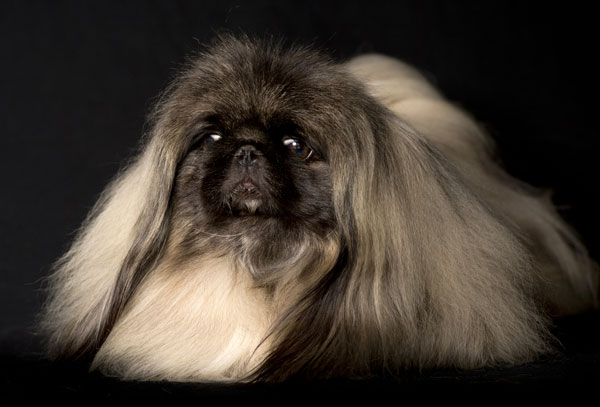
x=77, y=79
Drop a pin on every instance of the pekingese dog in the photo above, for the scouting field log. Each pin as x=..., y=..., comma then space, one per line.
x=288, y=216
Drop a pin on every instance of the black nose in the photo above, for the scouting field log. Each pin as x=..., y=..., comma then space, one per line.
x=247, y=155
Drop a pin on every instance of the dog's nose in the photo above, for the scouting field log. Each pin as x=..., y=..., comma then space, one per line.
x=247, y=155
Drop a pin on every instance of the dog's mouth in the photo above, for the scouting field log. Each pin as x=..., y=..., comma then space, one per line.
x=245, y=199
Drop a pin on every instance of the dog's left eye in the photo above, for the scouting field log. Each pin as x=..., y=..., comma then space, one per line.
x=296, y=146
x=210, y=139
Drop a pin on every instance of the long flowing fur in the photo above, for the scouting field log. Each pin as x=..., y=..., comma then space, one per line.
x=438, y=257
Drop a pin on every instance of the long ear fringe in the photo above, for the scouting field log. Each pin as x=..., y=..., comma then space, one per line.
x=572, y=278
x=93, y=280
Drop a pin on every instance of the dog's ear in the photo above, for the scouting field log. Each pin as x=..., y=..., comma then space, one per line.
x=428, y=274
x=118, y=243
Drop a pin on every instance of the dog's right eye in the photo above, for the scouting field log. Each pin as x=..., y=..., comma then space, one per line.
x=210, y=139
x=300, y=149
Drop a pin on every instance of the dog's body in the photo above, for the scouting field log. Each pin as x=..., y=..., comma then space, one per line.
x=428, y=254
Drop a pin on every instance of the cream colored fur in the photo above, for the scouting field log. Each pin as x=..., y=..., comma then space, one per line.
x=203, y=322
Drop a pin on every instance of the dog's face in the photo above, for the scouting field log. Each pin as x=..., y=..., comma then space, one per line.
x=254, y=178
x=256, y=174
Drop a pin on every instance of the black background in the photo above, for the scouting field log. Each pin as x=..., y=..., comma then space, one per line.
x=77, y=79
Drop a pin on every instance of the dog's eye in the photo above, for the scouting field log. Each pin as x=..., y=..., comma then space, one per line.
x=210, y=139
x=296, y=146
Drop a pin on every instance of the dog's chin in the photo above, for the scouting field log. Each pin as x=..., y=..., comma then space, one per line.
x=246, y=200
x=247, y=206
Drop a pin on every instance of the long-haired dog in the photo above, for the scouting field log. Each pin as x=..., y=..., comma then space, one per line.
x=288, y=216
